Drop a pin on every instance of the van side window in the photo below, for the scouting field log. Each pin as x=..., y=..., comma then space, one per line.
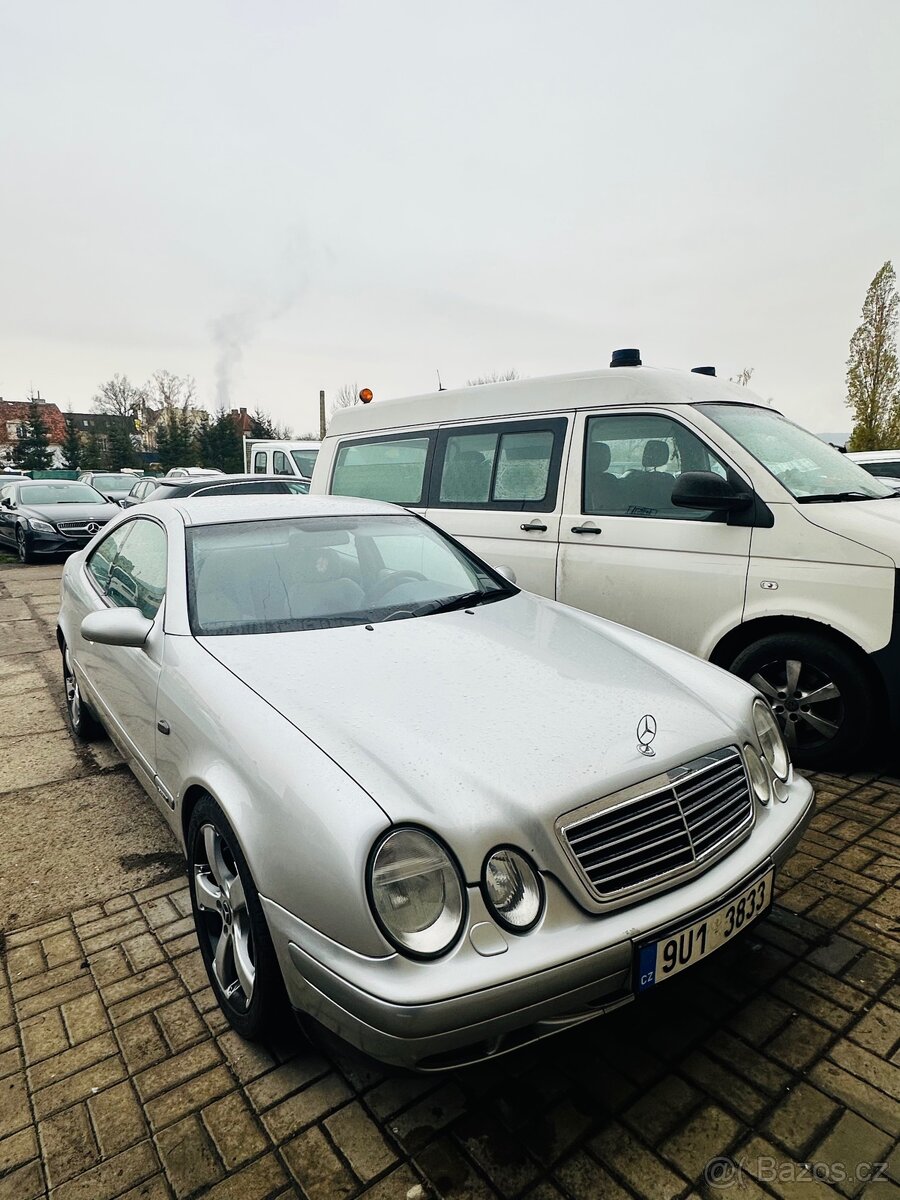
x=259, y=462
x=280, y=464
x=631, y=462
x=383, y=469
x=500, y=466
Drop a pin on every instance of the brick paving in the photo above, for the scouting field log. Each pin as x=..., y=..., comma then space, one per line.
x=776, y=1061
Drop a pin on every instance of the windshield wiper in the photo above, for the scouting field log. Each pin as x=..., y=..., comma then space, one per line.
x=465, y=600
x=837, y=498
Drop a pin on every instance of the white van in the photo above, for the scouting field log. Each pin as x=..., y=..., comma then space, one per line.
x=669, y=501
x=265, y=457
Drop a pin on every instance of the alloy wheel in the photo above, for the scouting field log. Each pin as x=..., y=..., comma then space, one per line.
x=73, y=695
x=20, y=545
x=224, y=919
x=807, y=703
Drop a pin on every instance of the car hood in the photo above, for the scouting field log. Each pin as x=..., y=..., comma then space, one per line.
x=874, y=524
x=500, y=720
x=71, y=512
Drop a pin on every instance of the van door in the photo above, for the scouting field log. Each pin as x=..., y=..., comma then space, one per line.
x=627, y=553
x=497, y=486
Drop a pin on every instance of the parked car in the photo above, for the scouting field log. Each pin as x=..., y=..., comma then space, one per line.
x=140, y=491
x=674, y=502
x=278, y=457
x=188, y=472
x=228, y=485
x=492, y=816
x=50, y=516
x=883, y=464
x=114, y=485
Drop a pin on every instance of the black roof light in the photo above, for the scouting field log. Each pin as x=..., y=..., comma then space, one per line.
x=703, y=371
x=625, y=358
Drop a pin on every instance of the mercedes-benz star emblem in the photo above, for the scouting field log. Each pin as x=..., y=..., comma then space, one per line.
x=92, y=527
x=646, y=732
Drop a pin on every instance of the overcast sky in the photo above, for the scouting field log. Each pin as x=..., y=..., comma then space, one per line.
x=279, y=197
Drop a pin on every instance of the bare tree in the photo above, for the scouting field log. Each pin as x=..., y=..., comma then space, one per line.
x=345, y=397
x=494, y=377
x=164, y=390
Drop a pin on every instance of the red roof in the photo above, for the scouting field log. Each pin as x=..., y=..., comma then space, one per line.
x=18, y=411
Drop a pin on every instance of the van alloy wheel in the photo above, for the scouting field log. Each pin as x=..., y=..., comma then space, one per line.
x=807, y=703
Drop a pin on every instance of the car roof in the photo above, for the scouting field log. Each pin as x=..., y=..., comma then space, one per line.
x=263, y=508
x=873, y=455
x=551, y=393
x=195, y=482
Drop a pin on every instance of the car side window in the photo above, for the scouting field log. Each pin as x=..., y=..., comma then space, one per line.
x=382, y=469
x=631, y=463
x=102, y=558
x=259, y=462
x=223, y=489
x=137, y=577
x=280, y=464
x=501, y=466
x=886, y=470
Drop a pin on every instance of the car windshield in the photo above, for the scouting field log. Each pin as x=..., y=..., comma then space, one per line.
x=59, y=493
x=114, y=483
x=308, y=573
x=305, y=460
x=809, y=468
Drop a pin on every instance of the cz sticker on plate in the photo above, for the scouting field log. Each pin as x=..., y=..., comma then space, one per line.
x=658, y=961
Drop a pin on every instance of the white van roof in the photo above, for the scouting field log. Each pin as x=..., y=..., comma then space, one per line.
x=550, y=393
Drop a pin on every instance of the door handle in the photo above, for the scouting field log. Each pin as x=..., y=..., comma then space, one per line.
x=533, y=527
x=163, y=726
x=586, y=529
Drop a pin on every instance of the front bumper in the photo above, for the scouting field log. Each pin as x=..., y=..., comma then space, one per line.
x=470, y=1005
x=54, y=543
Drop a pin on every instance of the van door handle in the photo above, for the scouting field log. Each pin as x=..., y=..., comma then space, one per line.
x=533, y=527
x=586, y=529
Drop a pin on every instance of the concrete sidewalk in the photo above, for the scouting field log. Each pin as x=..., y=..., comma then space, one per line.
x=771, y=1069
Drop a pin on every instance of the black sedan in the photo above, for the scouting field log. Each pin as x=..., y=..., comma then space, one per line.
x=50, y=516
x=172, y=488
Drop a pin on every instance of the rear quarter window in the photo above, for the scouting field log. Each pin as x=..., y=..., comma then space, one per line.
x=392, y=469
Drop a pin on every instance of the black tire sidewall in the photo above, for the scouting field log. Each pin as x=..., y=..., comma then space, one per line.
x=87, y=728
x=269, y=1001
x=838, y=663
x=23, y=549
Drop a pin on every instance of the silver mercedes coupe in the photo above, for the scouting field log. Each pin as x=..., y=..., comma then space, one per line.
x=442, y=816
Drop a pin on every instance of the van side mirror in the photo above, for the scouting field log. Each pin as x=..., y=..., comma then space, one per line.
x=705, y=489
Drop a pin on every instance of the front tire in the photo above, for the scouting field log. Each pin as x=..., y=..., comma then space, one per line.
x=23, y=548
x=819, y=691
x=231, y=927
x=84, y=725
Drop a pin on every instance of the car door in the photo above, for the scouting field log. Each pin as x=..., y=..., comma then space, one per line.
x=7, y=513
x=128, y=570
x=628, y=553
x=496, y=485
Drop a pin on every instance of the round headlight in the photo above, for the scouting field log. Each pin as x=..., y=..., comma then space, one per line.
x=416, y=893
x=513, y=889
x=770, y=740
x=759, y=776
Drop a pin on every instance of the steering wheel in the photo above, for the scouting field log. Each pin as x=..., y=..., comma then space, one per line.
x=380, y=589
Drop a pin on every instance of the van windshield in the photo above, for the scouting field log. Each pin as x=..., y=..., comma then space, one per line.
x=810, y=469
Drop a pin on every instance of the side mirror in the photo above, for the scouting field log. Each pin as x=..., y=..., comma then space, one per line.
x=507, y=572
x=6, y=502
x=705, y=489
x=116, y=627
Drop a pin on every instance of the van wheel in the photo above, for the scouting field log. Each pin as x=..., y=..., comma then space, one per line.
x=819, y=691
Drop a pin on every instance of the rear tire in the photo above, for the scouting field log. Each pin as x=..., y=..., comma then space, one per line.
x=820, y=693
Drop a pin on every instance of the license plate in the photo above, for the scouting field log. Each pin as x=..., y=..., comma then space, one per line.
x=660, y=960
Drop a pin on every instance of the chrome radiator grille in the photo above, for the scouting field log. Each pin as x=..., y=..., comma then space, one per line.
x=78, y=528
x=698, y=811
